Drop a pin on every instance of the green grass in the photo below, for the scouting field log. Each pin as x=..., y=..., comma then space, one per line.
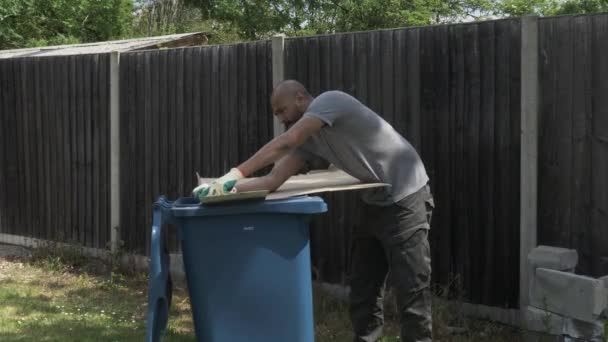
x=60, y=296
x=42, y=304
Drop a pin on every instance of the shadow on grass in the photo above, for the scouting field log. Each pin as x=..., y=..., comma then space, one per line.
x=23, y=304
x=55, y=326
x=52, y=285
x=30, y=316
x=69, y=330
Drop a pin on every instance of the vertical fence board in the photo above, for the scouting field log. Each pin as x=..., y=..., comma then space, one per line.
x=301, y=60
x=291, y=58
x=234, y=131
x=148, y=171
x=8, y=168
x=66, y=169
x=387, y=72
x=39, y=166
x=127, y=184
x=361, y=57
x=3, y=142
x=89, y=162
x=104, y=148
x=30, y=214
x=224, y=104
x=325, y=67
x=266, y=88
x=501, y=143
x=487, y=162
x=206, y=110
x=17, y=225
x=179, y=141
x=410, y=41
x=581, y=170
x=25, y=213
x=457, y=151
x=188, y=134
x=197, y=99
x=241, y=100
x=511, y=291
x=93, y=157
x=216, y=123
x=252, y=100
x=400, y=85
x=31, y=128
x=472, y=156
x=337, y=61
x=81, y=166
x=314, y=66
x=374, y=72
x=52, y=94
x=599, y=152
x=46, y=173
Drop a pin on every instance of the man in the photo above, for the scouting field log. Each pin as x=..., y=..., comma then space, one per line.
x=395, y=222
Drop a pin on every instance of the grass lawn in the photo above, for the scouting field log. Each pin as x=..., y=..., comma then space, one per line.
x=63, y=297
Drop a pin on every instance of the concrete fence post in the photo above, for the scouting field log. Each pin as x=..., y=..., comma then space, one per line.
x=529, y=150
x=114, y=151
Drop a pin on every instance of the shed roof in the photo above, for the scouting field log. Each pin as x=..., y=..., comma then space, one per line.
x=168, y=41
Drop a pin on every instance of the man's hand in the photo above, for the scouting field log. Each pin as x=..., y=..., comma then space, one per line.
x=202, y=190
x=220, y=186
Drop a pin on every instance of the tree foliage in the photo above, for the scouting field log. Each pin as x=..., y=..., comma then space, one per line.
x=256, y=19
x=582, y=6
x=25, y=23
x=516, y=8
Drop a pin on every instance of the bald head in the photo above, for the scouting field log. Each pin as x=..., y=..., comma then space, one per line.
x=289, y=88
x=289, y=101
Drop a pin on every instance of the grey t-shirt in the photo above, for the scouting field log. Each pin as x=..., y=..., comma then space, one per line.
x=362, y=144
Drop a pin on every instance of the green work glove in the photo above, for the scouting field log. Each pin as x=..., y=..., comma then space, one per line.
x=201, y=191
x=221, y=186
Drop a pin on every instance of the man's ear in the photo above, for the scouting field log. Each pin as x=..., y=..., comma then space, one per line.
x=300, y=98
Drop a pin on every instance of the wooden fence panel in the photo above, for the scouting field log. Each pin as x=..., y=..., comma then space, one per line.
x=54, y=119
x=573, y=148
x=441, y=88
x=186, y=111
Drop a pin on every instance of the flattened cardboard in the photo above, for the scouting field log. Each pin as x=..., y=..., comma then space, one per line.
x=314, y=182
x=235, y=197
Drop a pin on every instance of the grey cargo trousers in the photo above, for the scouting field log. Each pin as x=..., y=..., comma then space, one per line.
x=395, y=239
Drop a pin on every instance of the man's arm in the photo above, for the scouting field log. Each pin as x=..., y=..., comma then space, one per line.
x=288, y=166
x=282, y=145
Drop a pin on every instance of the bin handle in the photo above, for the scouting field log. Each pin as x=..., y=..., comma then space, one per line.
x=160, y=284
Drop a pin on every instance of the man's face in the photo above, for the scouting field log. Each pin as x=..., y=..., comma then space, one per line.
x=286, y=109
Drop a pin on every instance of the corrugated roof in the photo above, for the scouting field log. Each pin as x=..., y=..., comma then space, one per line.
x=174, y=40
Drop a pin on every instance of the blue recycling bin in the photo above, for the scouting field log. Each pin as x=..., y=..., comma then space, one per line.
x=247, y=267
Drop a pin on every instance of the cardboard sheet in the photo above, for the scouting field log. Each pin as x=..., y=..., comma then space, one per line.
x=314, y=182
x=235, y=197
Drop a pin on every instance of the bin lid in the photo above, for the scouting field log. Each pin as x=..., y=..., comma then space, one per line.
x=190, y=206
